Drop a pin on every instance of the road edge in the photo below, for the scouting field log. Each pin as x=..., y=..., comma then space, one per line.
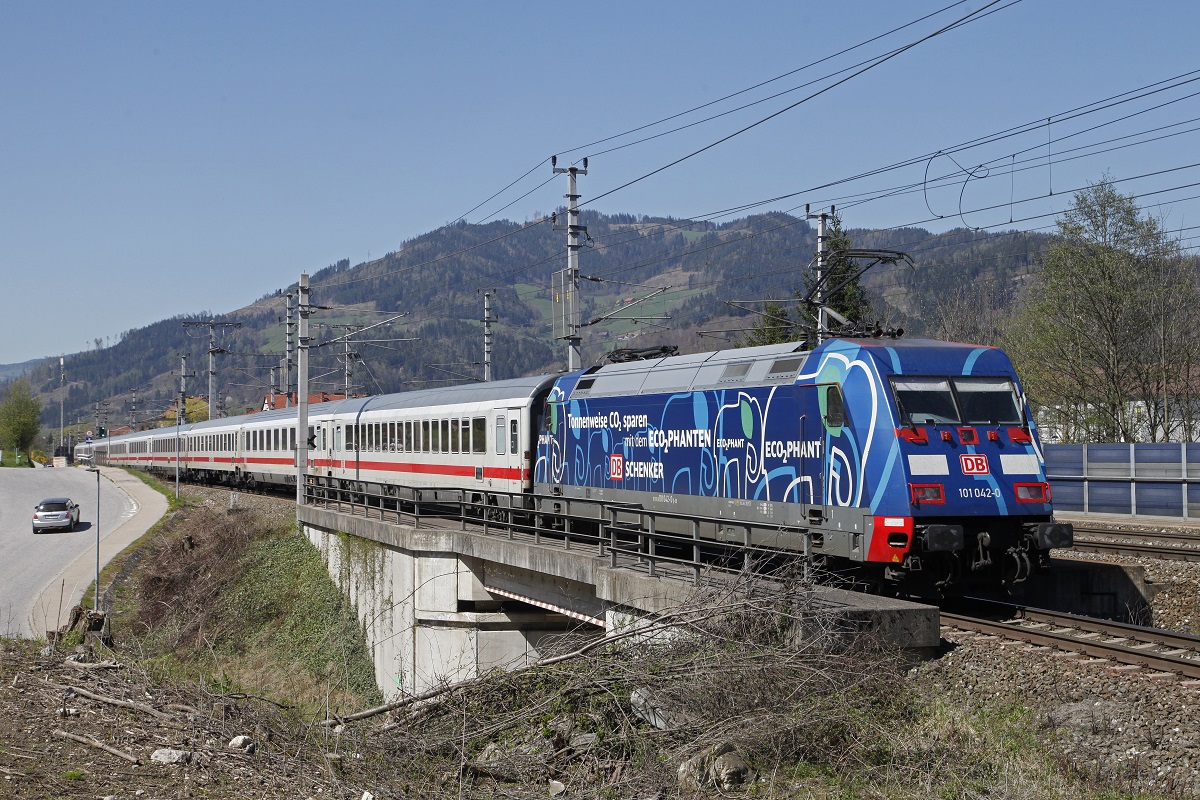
x=79, y=574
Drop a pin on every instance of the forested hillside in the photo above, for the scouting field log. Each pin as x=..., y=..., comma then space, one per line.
x=692, y=269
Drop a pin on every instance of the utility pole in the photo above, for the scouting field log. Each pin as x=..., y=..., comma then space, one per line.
x=180, y=414
x=487, y=336
x=274, y=387
x=302, y=391
x=571, y=279
x=291, y=352
x=348, y=355
x=822, y=256
x=62, y=378
x=347, y=367
x=212, y=359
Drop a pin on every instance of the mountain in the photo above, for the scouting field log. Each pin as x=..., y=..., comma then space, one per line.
x=650, y=281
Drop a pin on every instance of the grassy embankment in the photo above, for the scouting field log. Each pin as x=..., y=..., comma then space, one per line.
x=239, y=601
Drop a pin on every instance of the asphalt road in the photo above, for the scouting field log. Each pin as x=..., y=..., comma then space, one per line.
x=29, y=561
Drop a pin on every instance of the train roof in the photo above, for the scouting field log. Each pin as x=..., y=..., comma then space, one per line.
x=490, y=392
x=772, y=363
x=753, y=366
x=493, y=391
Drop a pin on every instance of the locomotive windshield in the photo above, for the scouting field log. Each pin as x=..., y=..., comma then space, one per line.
x=987, y=401
x=956, y=401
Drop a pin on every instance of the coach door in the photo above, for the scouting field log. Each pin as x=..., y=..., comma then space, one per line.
x=506, y=441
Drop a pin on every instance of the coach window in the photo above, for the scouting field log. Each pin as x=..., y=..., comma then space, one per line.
x=499, y=436
x=453, y=436
x=424, y=436
x=513, y=439
x=835, y=411
x=445, y=436
x=408, y=436
x=465, y=427
x=479, y=435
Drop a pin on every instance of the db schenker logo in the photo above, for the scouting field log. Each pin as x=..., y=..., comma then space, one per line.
x=973, y=464
x=616, y=467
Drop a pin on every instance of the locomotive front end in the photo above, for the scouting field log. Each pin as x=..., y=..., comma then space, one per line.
x=974, y=499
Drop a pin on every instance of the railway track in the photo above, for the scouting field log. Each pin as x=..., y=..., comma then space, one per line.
x=1161, y=536
x=1102, y=540
x=1152, y=648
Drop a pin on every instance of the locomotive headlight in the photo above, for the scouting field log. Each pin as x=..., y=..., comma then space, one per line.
x=927, y=493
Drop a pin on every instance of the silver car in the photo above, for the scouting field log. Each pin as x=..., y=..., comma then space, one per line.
x=55, y=512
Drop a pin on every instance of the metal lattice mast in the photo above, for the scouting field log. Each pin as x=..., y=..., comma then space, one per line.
x=302, y=390
x=574, y=231
x=212, y=359
x=291, y=352
x=822, y=259
x=487, y=336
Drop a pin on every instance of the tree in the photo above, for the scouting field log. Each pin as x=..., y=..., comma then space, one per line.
x=19, y=417
x=777, y=324
x=851, y=300
x=976, y=312
x=195, y=409
x=1109, y=340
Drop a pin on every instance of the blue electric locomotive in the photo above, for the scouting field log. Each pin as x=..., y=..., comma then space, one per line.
x=917, y=461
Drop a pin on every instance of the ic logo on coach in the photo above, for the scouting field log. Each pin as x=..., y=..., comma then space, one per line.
x=616, y=467
x=973, y=464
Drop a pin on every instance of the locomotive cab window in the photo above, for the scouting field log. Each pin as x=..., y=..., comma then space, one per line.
x=987, y=401
x=835, y=408
x=925, y=401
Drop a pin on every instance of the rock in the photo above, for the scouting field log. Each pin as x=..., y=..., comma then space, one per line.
x=719, y=765
x=243, y=743
x=368, y=796
x=168, y=756
x=730, y=770
x=557, y=788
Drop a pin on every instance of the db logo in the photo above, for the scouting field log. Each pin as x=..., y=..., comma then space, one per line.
x=973, y=464
x=616, y=467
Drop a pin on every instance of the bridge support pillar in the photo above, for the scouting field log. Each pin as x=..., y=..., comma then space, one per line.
x=427, y=616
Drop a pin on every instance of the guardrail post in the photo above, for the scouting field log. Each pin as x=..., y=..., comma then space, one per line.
x=1132, y=480
x=651, y=544
x=1183, y=463
x=1086, y=486
x=696, y=552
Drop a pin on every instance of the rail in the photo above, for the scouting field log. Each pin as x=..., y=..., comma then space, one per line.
x=1136, y=543
x=1154, y=648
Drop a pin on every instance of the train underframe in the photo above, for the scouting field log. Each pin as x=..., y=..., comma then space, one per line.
x=949, y=556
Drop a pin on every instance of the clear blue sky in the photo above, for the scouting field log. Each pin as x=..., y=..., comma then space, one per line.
x=168, y=158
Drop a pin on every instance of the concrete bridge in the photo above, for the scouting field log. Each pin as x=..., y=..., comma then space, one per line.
x=442, y=603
